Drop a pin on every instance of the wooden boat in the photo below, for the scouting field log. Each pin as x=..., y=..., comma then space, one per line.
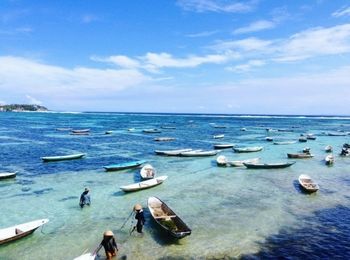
x=123, y=166
x=19, y=231
x=307, y=183
x=7, y=175
x=164, y=139
x=108, y=132
x=218, y=136
x=144, y=184
x=199, y=153
x=62, y=157
x=176, y=152
x=147, y=172
x=329, y=159
x=284, y=142
x=223, y=146
x=299, y=155
x=336, y=134
x=268, y=165
x=222, y=161
x=77, y=131
x=243, y=129
x=328, y=149
x=151, y=131
x=247, y=149
x=63, y=129
x=167, y=219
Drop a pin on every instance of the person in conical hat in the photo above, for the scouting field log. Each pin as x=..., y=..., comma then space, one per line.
x=109, y=244
x=140, y=218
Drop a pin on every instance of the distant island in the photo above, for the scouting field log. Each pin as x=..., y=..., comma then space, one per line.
x=22, y=108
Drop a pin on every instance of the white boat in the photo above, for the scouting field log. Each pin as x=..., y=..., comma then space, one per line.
x=223, y=146
x=164, y=139
x=176, y=152
x=307, y=183
x=7, y=175
x=199, y=153
x=329, y=159
x=221, y=160
x=147, y=172
x=80, y=131
x=62, y=157
x=269, y=139
x=144, y=184
x=247, y=149
x=19, y=231
x=284, y=142
x=242, y=162
x=218, y=136
x=108, y=132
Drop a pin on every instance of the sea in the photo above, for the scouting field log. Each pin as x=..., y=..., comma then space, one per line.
x=234, y=213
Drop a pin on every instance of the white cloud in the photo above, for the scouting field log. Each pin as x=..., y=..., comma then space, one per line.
x=217, y=6
x=255, y=27
x=202, y=34
x=315, y=42
x=24, y=77
x=33, y=100
x=120, y=60
x=342, y=12
x=248, y=44
x=247, y=66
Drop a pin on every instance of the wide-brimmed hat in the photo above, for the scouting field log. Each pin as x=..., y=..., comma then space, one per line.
x=137, y=207
x=108, y=233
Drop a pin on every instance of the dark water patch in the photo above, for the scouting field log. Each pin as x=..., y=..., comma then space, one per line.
x=68, y=198
x=26, y=189
x=325, y=235
x=346, y=180
x=42, y=191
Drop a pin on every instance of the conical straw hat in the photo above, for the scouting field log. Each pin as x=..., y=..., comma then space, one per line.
x=108, y=233
x=137, y=207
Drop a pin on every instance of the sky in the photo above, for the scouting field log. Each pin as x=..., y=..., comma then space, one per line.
x=184, y=56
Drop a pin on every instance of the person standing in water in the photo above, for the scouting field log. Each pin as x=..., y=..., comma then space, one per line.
x=109, y=244
x=85, y=198
x=140, y=218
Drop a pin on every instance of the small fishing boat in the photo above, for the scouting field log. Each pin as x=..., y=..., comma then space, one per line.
x=176, y=152
x=336, y=134
x=328, y=149
x=144, y=184
x=329, y=159
x=268, y=165
x=7, y=175
x=123, y=166
x=108, y=132
x=300, y=155
x=62, y=157
x=19, y=231
x=302, y=139
x=222, y=161
x=307, y=183
x=243, y=129
x=167, y=219
x=218, y=136
x=131, y=129
x=269, y=139
x=168, y=127
x=199, y=153
x=164, y=139
x=63, y=129
x=219, y=126
x=78, y=131
x=310, y=137
x=284, y=142
x=223, y=146
x=147, y=172
x=151, y=131
x=247, y=149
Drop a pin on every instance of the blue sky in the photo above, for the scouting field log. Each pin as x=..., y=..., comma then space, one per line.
x=201, y=56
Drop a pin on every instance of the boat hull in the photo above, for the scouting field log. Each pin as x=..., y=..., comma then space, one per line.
x=62, y=158
x=119, y=167
x=268, y=166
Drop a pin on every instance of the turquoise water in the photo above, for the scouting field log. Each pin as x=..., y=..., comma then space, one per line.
x=233, y=212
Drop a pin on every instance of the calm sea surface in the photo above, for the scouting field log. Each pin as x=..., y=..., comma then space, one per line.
x=233, y=212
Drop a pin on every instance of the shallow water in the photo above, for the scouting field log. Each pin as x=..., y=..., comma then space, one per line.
x=233, y=212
